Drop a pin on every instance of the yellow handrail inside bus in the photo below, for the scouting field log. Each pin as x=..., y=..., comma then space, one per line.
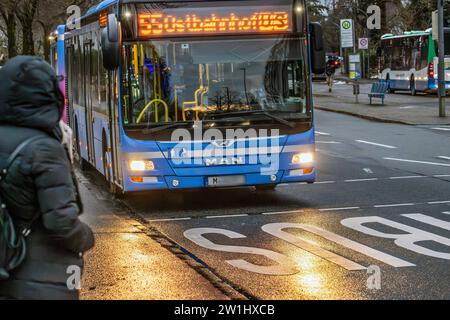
x=156, y=102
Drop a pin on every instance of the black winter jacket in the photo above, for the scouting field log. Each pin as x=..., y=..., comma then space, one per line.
x=39, y=185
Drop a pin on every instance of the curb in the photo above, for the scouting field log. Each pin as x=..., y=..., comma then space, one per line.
x=363, y=116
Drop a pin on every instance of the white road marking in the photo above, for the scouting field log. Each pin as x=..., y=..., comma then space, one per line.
x=360, y=180
x=411, y=238
x=368, y=170
x=376, y=144
x=281, y=212
x=324, y=182
x=339, y=209
x=322, y=133
x=438, y=202
x=428, y=220
x=407, y=177
x=227, y=216
x=441, y=129
x=277, y=230
x=393, y=205
x=328, y=142
x=446, y=212
x=421, y=162
x=444, y=157
x=408, y=107
x=441, y=175
x=170, y=219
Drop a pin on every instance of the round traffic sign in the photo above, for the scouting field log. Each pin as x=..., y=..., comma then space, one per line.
x=346, y=24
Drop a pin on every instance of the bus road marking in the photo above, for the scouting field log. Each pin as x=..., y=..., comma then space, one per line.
x=322, y=133
x=227, y=216
x=428, y=220
x=339, y=209
x=376, y=144
x=361, y=180
x=420, y=162
x=393, y=205
x=170, y=219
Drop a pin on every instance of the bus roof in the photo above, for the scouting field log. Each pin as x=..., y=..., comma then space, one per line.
x=406, y=34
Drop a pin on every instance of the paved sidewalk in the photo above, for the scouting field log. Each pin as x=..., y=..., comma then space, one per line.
x=126, y=263
x=398, y=108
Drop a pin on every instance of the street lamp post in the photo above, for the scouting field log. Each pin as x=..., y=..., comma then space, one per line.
x=441, y=67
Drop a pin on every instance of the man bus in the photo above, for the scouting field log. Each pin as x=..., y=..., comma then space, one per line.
x=180, y=94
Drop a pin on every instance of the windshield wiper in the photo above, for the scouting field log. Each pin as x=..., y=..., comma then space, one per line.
x=261, y=112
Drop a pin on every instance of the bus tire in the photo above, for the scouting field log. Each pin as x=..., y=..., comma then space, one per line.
x=266, y=187
x=412, y=86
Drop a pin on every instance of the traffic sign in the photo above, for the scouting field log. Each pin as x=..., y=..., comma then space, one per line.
x=347, y=40
x=363, y=43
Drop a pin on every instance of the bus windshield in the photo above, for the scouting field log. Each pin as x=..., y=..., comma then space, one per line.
x=182, y=80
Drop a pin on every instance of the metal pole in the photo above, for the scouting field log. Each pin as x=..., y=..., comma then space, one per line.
x=441, y=67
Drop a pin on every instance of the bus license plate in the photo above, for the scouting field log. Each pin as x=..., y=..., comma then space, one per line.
x=226, y=181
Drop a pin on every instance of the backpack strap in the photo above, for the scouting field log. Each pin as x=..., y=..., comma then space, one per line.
x=15, y=154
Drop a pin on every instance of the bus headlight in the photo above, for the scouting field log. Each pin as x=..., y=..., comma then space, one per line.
x=303, y=158
x=141, y=165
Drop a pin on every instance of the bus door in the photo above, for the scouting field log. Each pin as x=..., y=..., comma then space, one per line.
x=113, y=120
x=89, y=120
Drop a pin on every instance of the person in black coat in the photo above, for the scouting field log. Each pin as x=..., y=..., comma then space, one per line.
x=40, y=186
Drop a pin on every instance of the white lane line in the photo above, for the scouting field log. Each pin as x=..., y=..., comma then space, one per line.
x=393, y=205
x=360, y=180
x=438, y=202
x=444, y=157
x=281, y=212
x=441, y=175
x=429, y=220
x=441, y=129
x=322, y=133
x=227, y=216
x=170, y=219
x=328, y=142
x=421, y=162
x=339, y=209
x=446, y=212
x=324, y=182
x=376, y=144
x=407, y=177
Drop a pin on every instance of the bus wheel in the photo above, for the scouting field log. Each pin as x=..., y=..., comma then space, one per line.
x=266, y=187
x=412, y=85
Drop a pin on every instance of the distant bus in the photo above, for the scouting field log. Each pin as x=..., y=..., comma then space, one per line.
x=409, y=61
x=57, y=50
x=138, y=72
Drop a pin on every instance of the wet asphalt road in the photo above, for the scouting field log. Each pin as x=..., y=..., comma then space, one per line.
x=305, y=241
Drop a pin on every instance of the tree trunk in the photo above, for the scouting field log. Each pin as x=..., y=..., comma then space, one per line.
x=46, y=42
x=27, y=39
x=11, y=35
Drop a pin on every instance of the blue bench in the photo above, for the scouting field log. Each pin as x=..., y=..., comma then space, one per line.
x=378, y=91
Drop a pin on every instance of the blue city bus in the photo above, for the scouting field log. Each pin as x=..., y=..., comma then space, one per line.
x=57, y=50
x=194, y=94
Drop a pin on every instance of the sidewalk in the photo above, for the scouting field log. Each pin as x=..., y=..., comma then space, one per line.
x=127, y=263
x=398, y=108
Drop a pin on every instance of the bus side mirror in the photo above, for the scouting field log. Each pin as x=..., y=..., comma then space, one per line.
x=318, y=60
x=111, y=43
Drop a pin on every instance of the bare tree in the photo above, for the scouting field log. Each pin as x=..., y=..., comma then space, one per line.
x=7, y=14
